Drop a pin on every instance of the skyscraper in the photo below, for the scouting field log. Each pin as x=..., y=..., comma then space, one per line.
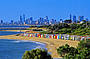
x=12, y=22
x=1, y=21
x=61, y=20
x=46, y=20
x=80, y=18
x=74, y=19
x=87, y=19
x=52, y=21
x=70, y=17
x=46, y=17
x=21, y=22
x=31, y=18
x=23, y=18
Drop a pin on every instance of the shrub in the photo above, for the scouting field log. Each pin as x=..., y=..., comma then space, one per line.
x=36, y=54
x=17, y=34
x=81, y=52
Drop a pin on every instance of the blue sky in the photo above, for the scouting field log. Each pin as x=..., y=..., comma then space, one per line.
x=12, y=9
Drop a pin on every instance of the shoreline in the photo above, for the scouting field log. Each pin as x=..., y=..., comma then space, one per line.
x=15, y=30
x=51, y=44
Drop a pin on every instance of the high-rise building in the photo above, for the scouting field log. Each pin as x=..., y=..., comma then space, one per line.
x=46, y=17
x=80, y=18
x=52, y=21
x=74, y=19
x=87, y=19
x=61, y=20
x=21, y=22
x=1, y=21
x=31, y=18
x=23, y=18
x=12, y=22
x=46, y=21
x=70, y=17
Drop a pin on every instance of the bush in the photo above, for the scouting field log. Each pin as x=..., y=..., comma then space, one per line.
x=36, y=54
x=81, y=52
x=63, y=50
x=17, y=34
x=74, y=29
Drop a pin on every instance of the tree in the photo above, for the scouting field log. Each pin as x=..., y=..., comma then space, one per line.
x=63, y=50
x=81, y=52
x=36, y=54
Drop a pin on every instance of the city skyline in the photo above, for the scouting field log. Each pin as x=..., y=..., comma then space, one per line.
x=44, y=20
x=11, y=10
x=70, y=17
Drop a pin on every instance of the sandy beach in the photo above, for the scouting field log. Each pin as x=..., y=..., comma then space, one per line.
x=51, y=44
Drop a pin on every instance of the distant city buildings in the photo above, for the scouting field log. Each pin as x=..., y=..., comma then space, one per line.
x=70, y=17
x=80, y=18
x=1, y=21
x=74, y=19
x=12, y=22
x=44, y=21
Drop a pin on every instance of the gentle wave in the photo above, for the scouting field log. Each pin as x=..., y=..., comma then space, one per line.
x=17, y=41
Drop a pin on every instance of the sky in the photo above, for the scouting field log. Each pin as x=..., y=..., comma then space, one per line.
x=57, y=9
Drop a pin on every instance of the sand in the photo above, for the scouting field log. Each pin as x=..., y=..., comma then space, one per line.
x=51, y=44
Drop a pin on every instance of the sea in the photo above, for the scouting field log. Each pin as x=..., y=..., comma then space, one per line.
x=14, y=49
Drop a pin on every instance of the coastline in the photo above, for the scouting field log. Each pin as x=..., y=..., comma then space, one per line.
x=51, y=44
x=15, y=30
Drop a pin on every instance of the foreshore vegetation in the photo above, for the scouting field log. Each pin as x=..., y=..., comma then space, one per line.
x=71, y=29
x=81, y=52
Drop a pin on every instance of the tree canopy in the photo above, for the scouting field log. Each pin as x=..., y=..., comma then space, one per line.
x=36, y=54
x=81, y=52
x=72, y=29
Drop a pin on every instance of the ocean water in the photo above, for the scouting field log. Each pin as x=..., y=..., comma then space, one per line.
x=13, y=26
x=8, y=33
x=14, y=49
